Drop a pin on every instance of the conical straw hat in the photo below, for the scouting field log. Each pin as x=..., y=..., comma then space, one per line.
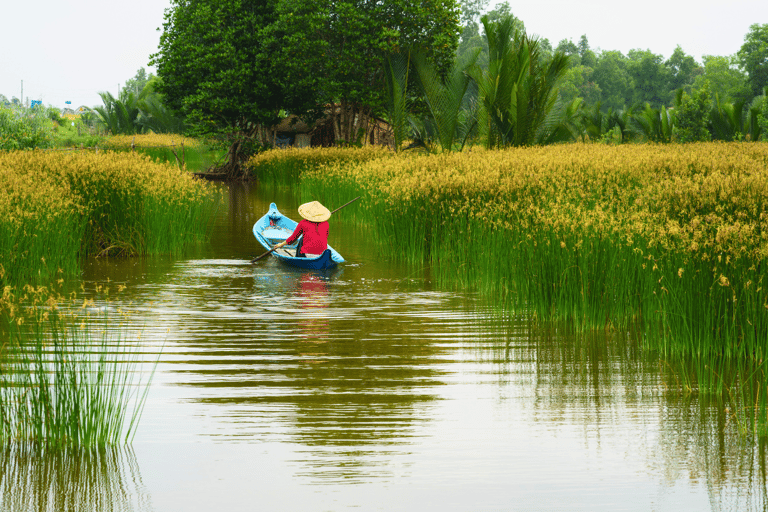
x=314, y=212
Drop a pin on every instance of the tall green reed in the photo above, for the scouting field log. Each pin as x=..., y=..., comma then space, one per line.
x=67, y=377
x=61, y=208
x=659, y=241
x=286, y=167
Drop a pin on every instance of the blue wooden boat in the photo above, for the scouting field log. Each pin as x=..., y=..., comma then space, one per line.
x=274, y=228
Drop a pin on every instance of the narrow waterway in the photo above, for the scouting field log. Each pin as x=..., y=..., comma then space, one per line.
x=370, y=388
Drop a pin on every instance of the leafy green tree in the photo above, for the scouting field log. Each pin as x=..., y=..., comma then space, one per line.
x=725, y=79
x=502, y=11
x=683, y=70
x=216, y=69
x=692, y=114
x=577, y=83
x=568, y=48
x=613, y=79
x=650, y=78
x=333, y=53
x=518, y=90
x=753, y=57
x=471, y=10
x=587, y=56
x=138, y=82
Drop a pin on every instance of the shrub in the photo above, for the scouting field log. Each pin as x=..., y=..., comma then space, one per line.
x=22, y=128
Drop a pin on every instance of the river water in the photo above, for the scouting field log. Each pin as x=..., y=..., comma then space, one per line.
x=371, y=388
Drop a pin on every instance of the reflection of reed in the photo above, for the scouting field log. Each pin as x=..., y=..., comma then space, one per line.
x=699, y=433
x=240, y=213
x=99, y=480
x=601, y=377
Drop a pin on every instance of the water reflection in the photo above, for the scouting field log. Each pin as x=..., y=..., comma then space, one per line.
x=314, y=299
x=360, y=372
x=618, y=395
x=98, y=480
x=321, y=365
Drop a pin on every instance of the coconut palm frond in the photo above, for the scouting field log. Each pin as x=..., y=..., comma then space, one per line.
x=444, y=97
x=518, y=90
x=397, y=72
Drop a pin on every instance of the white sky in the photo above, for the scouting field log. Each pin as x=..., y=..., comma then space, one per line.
x=700, y=27
x=72, y=50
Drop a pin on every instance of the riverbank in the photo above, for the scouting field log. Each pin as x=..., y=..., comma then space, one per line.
x=667, y=242
x=59, y=208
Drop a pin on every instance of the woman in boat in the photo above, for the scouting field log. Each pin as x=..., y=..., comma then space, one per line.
x=314, y=227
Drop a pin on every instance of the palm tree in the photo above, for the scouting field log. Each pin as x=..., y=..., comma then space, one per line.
x=396, y=73
x=133, y=113
x=119, y=116
x=518, y=90
x=655, y=125
x=734, y=121
x=444, y=97
x=154, y=115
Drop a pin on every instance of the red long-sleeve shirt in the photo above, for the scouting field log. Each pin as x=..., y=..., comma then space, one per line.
x=315, y=236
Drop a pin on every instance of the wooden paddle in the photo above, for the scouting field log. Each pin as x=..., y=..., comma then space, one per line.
x=257, y=258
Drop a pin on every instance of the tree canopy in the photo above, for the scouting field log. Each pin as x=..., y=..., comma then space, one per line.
x=232, y=66
x=333, y=53
x=753, y=57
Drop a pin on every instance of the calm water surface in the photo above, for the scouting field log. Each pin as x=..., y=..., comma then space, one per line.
x=370, y=388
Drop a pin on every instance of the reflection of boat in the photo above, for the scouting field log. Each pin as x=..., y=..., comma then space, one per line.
x=274, y=228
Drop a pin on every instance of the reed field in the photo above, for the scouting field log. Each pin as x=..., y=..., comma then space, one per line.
x=670, y=241
x=57, y=208
x=175, y=149
x=284, y=167
x=67, y=377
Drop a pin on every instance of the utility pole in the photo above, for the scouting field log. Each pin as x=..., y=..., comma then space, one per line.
x=22, y=93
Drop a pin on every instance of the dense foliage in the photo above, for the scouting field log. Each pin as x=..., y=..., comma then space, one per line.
x=25, y=128
x=631, y=91
x=421, y=72
x=232, y=67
